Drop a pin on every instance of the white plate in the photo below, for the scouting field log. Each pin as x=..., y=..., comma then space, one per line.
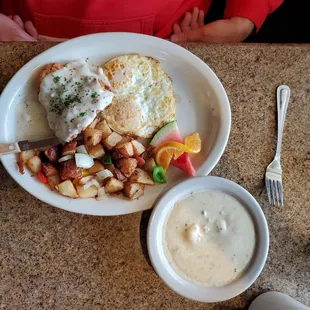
x=203, y=108
x=155, y=237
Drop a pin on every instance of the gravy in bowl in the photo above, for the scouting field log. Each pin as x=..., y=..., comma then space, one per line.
x=209, y=238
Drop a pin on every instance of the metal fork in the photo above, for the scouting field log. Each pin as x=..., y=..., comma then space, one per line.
x=273, y=176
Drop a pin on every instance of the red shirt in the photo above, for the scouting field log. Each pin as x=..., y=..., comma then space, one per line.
x=72, y=18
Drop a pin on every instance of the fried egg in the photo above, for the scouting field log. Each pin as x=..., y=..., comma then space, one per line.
x=143, y=95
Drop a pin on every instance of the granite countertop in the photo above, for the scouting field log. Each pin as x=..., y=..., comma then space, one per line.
x=53, y=259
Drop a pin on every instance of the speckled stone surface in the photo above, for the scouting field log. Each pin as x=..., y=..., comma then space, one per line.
x=52, y=259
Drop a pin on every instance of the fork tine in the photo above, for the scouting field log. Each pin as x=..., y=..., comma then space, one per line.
x=280, y=192
x=276, y=183
x=267, y=184
x=273, y=192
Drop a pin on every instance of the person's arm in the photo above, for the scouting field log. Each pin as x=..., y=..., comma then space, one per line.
x=241, y=18
x=254, y=10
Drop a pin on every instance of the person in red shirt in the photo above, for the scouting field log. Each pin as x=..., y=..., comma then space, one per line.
x=179, y=20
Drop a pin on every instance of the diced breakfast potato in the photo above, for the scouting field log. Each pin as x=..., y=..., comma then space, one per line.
x=127, y=166
x=69, y=170
x=126, y=138
x=90, y=192
x=66, y=188
x=104, y=127
x=141, y=176
x=113, y=185
x=133, y=190
x=119, y=175
x=53, y=180
x=140, y=161
x=116, y=155
x=125, y=149
x=138, y=148
x=111, y=167
x=23, y=157
x=34, y=164
x=96, y=151
x=69, y=148
x=149, y=152
x=149, y=165
x=26, y=155
x=98, y=166
x=20, y=166
x=49, y=170
x=110, y=141
x=92, y=136
x=52, y=154
x=93, y=124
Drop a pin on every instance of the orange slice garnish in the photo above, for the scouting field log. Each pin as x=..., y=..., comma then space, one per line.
x=172, y=150
x=165, y=154
x=193, y=142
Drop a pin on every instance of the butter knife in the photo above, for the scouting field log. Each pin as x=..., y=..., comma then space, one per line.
x=26, y=145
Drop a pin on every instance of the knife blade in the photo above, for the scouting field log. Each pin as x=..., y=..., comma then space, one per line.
x=26, y=145
x=39, y=144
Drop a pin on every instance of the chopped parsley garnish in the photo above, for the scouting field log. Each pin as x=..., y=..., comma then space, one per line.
x=56, y=79
x=79, y=86
x=69, y=94
x=62, y=101
x=95, y=95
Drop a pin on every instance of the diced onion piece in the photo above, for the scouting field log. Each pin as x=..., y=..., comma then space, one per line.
x=101, y=194
x=106, y=173
x=82, y=150
x=65, y=158
x=88, y=184
x=83, y=161
x=96, y=183
x=85, y=180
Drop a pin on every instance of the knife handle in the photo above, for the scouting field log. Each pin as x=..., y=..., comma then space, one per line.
x=9, y=148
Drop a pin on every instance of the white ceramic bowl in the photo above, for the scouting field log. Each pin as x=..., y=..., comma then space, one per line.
x=155, y=240
x=203, y=108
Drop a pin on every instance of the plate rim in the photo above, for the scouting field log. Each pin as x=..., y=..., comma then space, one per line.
x=9, y=93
